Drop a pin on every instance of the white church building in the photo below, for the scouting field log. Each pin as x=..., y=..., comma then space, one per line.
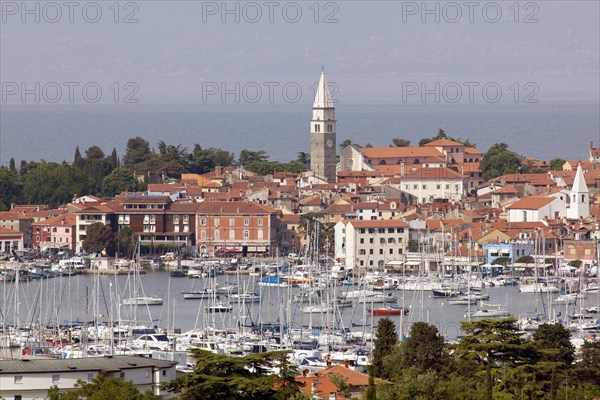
x=574, y=205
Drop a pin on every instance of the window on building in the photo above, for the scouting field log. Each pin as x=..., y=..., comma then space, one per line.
x=186, y=228
x=231, y=234
x=415, y=187
x=371, y=240
x=380, y=251
x=176, y=228
x=55, y=378
x=217, y=222
x=424, y=187
x=362, y=240
x=203, y=234
x=231, y=221
x=90, y=377
x=203, y=221
x=370, y=251
x=217, y=234
x=246, y=221
x=260, y=222
x=18, y=379
x=438, y=187
x=246, y=234
x=186, y=219
x=175, y=219
x=260, y=234
x=362, y=252
x=391, y=251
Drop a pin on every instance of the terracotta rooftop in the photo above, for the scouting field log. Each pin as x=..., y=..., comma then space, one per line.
x=233, y=207
x=6, y=231
x=443, y=143
x=388, y=223
x=531, y=203
x=433, y=173
x=508, y=189
x=400, y=152
x=67, y=219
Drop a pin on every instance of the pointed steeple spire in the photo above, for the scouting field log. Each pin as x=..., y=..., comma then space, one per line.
x=322, y=95
x=579, y=185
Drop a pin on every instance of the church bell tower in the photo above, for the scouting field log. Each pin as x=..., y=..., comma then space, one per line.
x=322, y=133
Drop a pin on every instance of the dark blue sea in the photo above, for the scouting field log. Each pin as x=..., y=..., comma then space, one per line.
x=51, y=132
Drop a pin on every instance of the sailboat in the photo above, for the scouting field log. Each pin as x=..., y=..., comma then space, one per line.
x=142, y=300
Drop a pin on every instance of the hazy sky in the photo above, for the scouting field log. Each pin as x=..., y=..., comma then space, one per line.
x=370, y=49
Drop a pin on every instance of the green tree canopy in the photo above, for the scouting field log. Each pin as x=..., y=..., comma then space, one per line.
x=101, y=388
x=99, y=237
x=498, y=161
x=398, y=142
x=424, y=348
x=120, y=179
x=384, y=345
x=495, y=344
x=126, y=242
x=222, y=377
x=522, y=259
x=556, y=164
x=554, y=342
x=504, y=261
x=136, y=152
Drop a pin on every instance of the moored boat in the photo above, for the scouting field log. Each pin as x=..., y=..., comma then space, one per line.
x=392, y=309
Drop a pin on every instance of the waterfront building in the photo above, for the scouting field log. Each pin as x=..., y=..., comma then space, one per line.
x=29, y=378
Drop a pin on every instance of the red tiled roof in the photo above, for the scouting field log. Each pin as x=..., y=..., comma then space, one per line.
x=471, y=150
x=67, y=219
x=444, y=143
x=400, y=152
x=433, y=173
x=531, y=203
x=14, y=215
x=388, y=223
x=6, y=231
x=508, y=189
x=233, y=207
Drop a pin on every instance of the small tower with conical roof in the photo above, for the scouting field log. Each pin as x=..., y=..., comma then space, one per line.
x=579, y=206
x=323, y=133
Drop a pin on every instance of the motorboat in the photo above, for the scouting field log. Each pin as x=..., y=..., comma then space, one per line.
x=143, y=301
x=387, y=310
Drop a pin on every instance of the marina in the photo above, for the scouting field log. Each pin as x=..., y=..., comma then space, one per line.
x=62, y=316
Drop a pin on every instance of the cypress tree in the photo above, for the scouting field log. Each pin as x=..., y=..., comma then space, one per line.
x=384, y=344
